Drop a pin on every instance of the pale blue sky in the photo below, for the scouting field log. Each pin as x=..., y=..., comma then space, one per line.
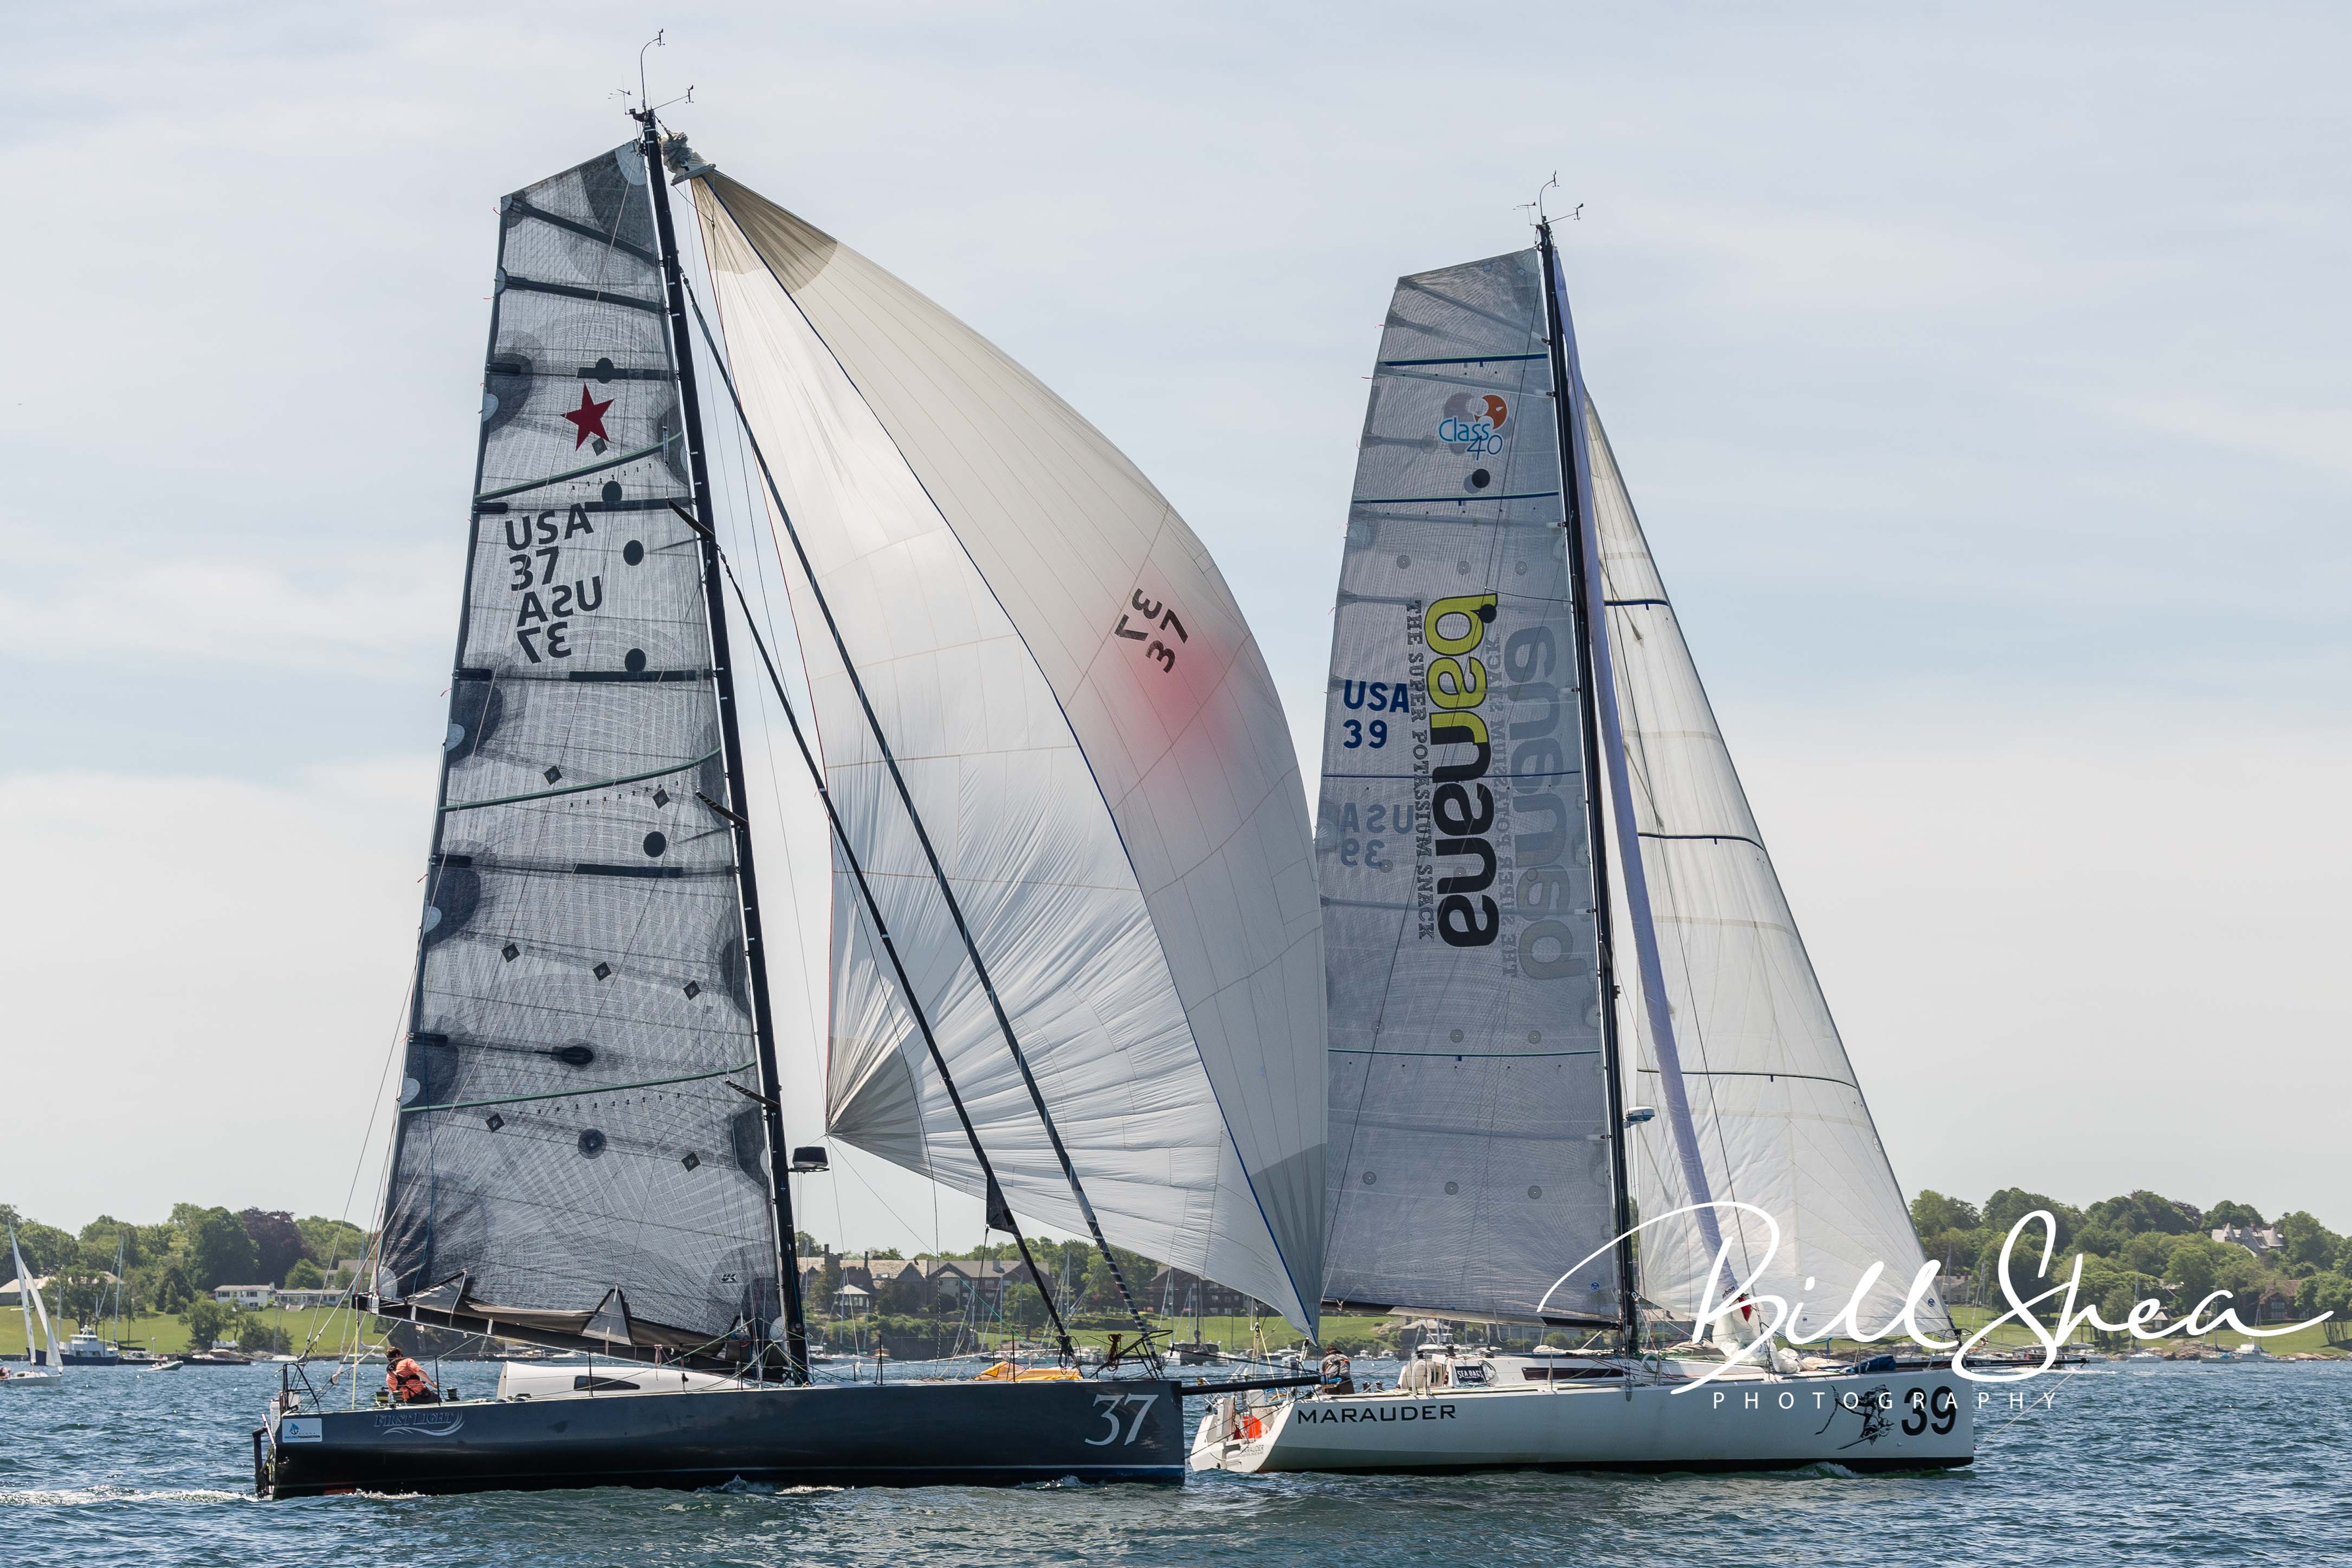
x=1980, y=375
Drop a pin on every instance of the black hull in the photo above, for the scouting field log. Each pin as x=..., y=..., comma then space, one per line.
x=911, y=1434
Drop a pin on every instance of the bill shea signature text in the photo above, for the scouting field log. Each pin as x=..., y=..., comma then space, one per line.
x=1740, y=1301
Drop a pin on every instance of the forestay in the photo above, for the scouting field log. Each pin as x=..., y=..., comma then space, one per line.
x=568, y=1125
x=1096, y=751
x=1469, y=1103
x=1778, y=1116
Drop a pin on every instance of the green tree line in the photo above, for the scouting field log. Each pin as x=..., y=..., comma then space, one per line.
x=2137, y=1247
x=173, y=1267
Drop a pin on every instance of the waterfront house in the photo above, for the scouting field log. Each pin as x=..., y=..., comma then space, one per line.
x=245, y=1296
x=2256, y=1239
x=12, y=1293
x=1172, y=1293
x=297, y=1299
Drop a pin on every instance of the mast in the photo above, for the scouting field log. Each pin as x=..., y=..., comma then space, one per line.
x=23, y=1296
x=755, y=956
x=1565, y=406
x=938, y=869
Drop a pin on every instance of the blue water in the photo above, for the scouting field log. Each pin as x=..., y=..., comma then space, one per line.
x=2171, y=1465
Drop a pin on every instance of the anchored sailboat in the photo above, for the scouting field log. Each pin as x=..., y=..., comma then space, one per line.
x=1077, y=947
x=1544, y=899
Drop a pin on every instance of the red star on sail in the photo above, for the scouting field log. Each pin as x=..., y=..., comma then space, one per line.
x=589, y=419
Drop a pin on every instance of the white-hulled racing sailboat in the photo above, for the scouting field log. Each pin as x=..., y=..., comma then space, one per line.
x=1545, y=899
x=1075, y=940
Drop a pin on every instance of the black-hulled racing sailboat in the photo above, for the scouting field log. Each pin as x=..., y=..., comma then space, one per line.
x=1076, y=949
x=1549, y=917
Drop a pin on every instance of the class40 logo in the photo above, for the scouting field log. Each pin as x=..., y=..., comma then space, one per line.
x=1472, y=423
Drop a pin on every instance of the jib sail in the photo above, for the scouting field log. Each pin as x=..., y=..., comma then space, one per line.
x=1763, y=1107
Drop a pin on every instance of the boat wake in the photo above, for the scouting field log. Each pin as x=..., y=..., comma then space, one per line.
x=79, y=1497
x=738, y=1487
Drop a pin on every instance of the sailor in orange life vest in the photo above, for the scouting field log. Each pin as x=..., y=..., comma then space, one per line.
x=1337, y=1376
x=407, y=1380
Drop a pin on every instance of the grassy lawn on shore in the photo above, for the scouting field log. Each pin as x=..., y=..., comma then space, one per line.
x=168, y=1335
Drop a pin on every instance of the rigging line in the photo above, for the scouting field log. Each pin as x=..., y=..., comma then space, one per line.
x=923, y=837
x=912, y=1234
x=999, y=1212
x=578, y=1094
x=359, y=1162
x=582, y=789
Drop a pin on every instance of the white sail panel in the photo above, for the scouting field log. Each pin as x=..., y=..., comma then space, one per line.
x=1469, y=1111
x=1099, y=755
x=1778, y=1113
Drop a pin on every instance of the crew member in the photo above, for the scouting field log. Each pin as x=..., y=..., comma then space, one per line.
x=1336, y=1376
x=407, y=1380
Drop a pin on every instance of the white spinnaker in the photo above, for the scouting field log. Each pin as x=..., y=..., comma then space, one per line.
x=1099, y=755
x=1779, y=1114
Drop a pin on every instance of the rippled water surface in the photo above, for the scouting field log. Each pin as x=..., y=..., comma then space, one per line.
x=2186, y=1464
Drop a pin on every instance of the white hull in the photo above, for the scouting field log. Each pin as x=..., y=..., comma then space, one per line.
x=31, y=1379
x=1879, y=1421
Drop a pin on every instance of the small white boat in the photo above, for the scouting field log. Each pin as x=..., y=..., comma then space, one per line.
x=28, y=1302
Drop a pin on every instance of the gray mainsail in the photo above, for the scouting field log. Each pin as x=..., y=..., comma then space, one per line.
x=1470, y=1106
x=570, y=1120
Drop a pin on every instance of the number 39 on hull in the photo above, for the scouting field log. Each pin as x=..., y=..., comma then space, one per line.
x=1892, y=1421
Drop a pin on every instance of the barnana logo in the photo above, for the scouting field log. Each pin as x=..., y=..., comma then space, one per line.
x=1473, y=424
